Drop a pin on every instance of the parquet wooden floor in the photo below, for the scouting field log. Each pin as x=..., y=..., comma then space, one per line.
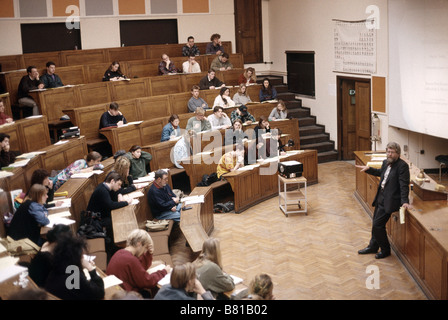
x=314, y=256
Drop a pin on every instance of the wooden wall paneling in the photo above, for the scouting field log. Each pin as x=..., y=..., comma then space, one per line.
x=154, y=107
x=11, y=82
x=40, y=59
x=361, y=181
x=372, y=188
x=183, y=117
x=72, y=75
x=413, y=248
x=53, y=101
x=151, y=130
x=155, y=51
x=88, y=119
x=230, y=77
x=126, y=53
x=7, y=103
x=135, y=88
x=13, y=131
x=161, y=154
x=379, y=94
x=141, y=69
x=35, y=134
x=82, y=57
x=191, y=79
x=166, y=84
x=94, y=93
x=130, y=109
x=12, y=62
x=179, y=102
x=95, y=72
x=209, y=96
x=433, y=267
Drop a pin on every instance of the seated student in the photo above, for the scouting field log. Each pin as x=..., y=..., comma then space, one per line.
x=163, y=202
x=221, y=63
x=183, y=282
x=275, y=146
x=29, y=82
x=279, y=112
x=30, y=216
x=69, y=262
x=190, y=48
x=102, y=201
x=42, y=176
x=91, y=162
x=166, y=66
x=223, y=99
x=130, y=264
x=113, y=117
x=4, y=118
x=209, y=270
x=235, y=134
x=191, y=65
x=267, y=91
x=6, y=155
x=259, y=131
x=261, y=288
x=231, y=161
x=241, y=97
x=219, y=120
x=42, y=263
x=50, y=79
x=248, y=77
x=199, y=122
x=183, y=148
x=242, y=114
x=113, y=73
x=210, y=81
x=122, y=166
x=215, y=46
x=196, y=101
x=139, y=161
x=171, y=130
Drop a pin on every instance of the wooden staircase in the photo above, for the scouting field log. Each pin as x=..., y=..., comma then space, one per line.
x=312, y=134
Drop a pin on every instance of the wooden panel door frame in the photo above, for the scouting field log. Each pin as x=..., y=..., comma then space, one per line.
x=243, y=14
x=339, y=81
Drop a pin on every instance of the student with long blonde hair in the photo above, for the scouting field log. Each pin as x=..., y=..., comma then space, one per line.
x=209, y=269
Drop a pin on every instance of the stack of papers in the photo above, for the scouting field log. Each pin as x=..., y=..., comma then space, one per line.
x=19, y=164
x=30, y=155
x=193, y=199
x=66, y=203
x=60, y=218
x=83, y=175
x=9, y=268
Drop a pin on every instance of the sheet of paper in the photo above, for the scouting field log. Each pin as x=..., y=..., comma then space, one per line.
x=193, y=199
x=19, y=164
x=66, y=203
x=59, y=220
x=60, y=142
x=135, y=194
x=156, y=268
x=111, y=281
x=82, y=175
x=165, y=280
x=11, y=271
x=236, y=280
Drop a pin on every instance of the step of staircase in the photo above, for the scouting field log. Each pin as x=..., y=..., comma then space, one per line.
x=298, y=113
x=320, y=146
x=281, y=88
x=314, y=138
x=311, y=130
x=286, y=96
x=293, y=104
x=327, y=156
x=307, y=121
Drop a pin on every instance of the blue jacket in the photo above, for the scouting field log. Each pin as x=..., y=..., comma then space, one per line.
x=168, y=130
x=160, y=199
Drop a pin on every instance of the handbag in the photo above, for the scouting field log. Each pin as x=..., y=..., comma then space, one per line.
x=158, y=225
x=90, y=225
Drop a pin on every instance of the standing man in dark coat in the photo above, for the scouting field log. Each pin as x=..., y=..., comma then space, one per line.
x=393, y=193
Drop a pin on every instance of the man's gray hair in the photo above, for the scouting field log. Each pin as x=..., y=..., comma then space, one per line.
x=159, y=174
x=394, y=146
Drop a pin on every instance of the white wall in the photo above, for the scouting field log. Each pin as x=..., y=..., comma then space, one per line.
x=307, y=25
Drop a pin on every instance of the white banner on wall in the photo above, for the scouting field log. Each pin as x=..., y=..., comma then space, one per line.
x=354, y=47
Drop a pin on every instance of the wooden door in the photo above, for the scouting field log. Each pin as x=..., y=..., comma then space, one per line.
x=249, y=36
x=353, y=116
